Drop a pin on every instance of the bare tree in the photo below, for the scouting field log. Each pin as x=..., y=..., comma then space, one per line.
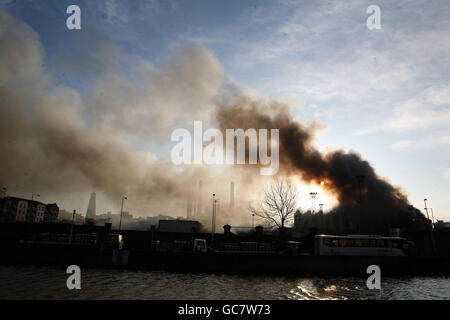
x=279, y=204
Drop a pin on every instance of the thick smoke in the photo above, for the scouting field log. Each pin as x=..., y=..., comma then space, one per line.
x=65, y=144
x=361, y=193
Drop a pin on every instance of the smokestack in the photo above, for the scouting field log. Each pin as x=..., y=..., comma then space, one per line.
x=199, y=199
x=232, y=196
x=90, y=213
x=189, y=212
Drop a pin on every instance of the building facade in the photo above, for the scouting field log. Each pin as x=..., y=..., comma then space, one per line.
x=51, y=212
x=179, y=226
x=24, y=210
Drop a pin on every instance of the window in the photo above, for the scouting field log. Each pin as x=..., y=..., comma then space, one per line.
x=346, y=243
x=365, y=243
x=380, y=244
x=332, y=242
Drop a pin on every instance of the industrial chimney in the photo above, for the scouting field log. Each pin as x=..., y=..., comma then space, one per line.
x=190, y=204
x=90, y=213
x=232, y=196
x=198, y=212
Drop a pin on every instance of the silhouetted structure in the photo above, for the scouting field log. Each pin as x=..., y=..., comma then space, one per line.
x=91, y=210
x=25, y=210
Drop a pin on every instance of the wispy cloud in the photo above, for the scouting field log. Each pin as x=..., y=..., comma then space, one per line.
x=427, y=142
x=446, y=173
x=428, y=109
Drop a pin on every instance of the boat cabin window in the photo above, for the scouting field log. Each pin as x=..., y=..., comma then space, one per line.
x=330, y=242
x=362, y=243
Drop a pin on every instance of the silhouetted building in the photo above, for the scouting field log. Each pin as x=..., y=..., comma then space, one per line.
x=2, y=192
x=90, y=213
x=441, y=225
x=179, y=226
x=51, y=212
x=67, y=216
x=21, y=210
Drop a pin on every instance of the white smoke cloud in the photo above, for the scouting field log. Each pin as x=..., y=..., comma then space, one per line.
x=56, y=144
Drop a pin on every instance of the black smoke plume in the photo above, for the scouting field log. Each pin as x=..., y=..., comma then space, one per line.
x=367, y=202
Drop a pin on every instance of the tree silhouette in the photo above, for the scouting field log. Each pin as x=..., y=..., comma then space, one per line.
x=278, y=206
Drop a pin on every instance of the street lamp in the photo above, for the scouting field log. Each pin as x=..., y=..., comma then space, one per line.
x=253, y=220
x=121, y=211
x=433, y=245
x=213, y=222
x=313, y=198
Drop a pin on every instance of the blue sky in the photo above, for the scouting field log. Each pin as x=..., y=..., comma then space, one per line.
x=383, y=93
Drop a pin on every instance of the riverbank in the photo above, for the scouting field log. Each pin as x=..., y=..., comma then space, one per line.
x=228, y=263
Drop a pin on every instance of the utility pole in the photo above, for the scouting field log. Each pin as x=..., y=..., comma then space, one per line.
x=213, y=217
x=215, y=214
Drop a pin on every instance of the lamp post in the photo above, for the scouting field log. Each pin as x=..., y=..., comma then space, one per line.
x=426, y=209
x=213, y=220
x=121, y=211
x=253, y=221
x=313, y=198
x=433, y=245
x=215, y=214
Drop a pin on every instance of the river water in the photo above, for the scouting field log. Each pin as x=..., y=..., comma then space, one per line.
x=50, y=283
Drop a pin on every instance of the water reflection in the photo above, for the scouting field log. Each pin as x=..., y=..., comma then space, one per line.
x=50, y=283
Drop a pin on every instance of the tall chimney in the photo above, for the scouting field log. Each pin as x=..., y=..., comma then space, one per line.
x=199, y=200
x=189, y=213
x=232, y=195
x=91, y=211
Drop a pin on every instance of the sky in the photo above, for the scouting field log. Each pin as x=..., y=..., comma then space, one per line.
x=383, y=93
